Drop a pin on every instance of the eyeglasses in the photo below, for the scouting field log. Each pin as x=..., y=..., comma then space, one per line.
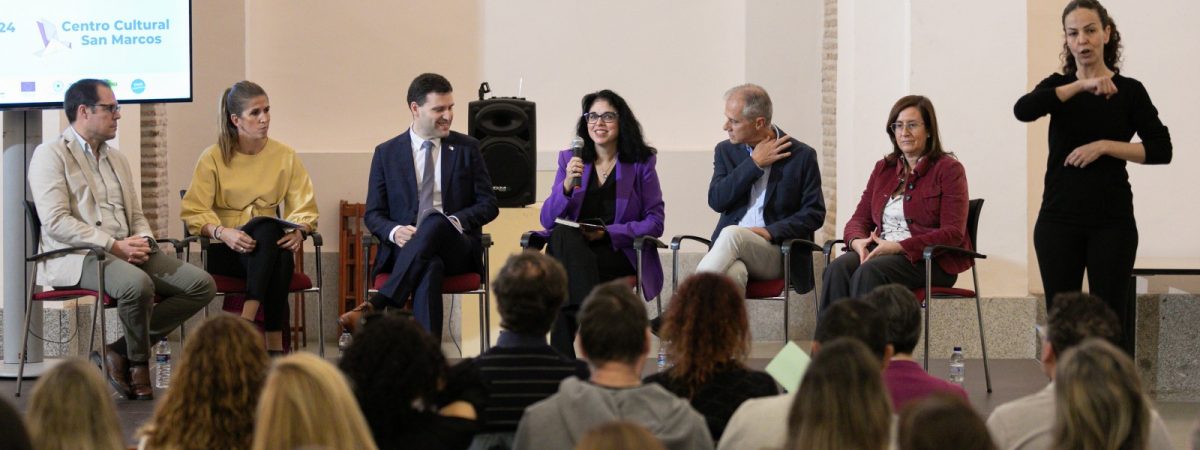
x=910, y=126
x=608, y=117
x=113, y=108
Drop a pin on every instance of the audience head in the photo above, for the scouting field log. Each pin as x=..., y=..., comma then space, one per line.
x=619, y=435
x=431, y=102
x=1074, y=317
x=306, y=403
x=942, y=421
x=1098, y=400
x=12, y=429
x=214, y=389
x=841, y=402
x=395, y=367
x=529, y=289
x=238, y=113
x=856, y=319
x=902, y=314
x=705, y=328
x=613, y=326
x=1085, y=12
x=71, y=409
x=626, y=131
x=929, y=143
x=747, y=114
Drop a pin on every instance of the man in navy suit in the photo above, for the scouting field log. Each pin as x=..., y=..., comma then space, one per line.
x=428, y=197
x=767, y=187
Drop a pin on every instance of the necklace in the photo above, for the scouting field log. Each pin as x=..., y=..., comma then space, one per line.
x=604, y=172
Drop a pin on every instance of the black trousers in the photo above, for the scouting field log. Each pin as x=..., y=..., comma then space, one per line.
x=1106, y=251
x=845, y=277
x=267, y=271
x=437, y=249
x=587, y=263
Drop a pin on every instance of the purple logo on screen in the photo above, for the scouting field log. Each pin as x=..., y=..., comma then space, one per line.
x=28, y=86
x=51, y=43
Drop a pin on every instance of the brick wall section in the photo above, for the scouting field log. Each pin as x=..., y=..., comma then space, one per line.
x=154, y=167
x=829, y=56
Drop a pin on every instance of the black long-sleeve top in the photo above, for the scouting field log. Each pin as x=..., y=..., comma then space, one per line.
x=1100, y=192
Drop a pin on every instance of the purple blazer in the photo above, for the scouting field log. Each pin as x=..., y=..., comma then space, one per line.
x=639, y=212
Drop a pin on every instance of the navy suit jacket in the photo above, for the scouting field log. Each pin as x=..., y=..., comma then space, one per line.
x=392, y=197
x=794, y=206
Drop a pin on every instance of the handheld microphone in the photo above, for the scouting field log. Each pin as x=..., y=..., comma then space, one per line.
x=576, y=151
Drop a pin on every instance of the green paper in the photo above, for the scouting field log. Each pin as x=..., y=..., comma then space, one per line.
x=788, y=366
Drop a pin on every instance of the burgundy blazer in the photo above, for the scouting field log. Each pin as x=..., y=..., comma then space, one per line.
x=935, y=207
x=639, y=212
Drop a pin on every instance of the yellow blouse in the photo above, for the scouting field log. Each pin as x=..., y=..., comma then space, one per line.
x=250, y=186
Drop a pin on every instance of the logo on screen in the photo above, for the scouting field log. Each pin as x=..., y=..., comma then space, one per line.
x=28, y=86
x=138, y=86
x=51, y=43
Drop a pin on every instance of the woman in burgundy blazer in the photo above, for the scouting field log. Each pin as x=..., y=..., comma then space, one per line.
x=916, y=197
x=617, y=186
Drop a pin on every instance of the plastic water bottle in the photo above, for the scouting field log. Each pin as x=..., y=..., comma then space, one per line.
x=162, y=364
x=958, y=370
x=344, y=341
x=663, y=360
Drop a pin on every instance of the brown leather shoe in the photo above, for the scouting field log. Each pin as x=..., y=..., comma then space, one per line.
x=139, y=382
x=118, y=369
x=353, y=318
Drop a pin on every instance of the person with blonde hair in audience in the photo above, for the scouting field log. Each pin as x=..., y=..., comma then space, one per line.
x=407, y=394
x=1099, y=402
x=942, y=420
x=841, y=403
x=71, y=410
x=214, y=390
x=307, y=403
x=1027, y=423
x=614, y=337
x=707, y=334
x=619, y=435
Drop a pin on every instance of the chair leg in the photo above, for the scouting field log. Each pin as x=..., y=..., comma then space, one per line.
x=100, y=314
x=928, y=310
x=482, y=324
x=23, y=354
x=320, y=323
x=987, y=374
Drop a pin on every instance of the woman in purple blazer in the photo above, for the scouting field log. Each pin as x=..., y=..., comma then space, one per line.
x=613, y=182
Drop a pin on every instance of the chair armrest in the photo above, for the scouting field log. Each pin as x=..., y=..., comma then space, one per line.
x=93, y=249
x=828, y=248
x=678, y=240
x=532, y=240
x=640, y=242
x=486, y=240
x=789, y=244
x=318, y=241
x=175, y=243
x=930, y=250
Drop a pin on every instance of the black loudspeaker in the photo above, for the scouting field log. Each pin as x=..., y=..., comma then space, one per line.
x=507, y=133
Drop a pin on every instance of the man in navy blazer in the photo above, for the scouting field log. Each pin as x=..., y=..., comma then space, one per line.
x=428, y=222
x=767, y=187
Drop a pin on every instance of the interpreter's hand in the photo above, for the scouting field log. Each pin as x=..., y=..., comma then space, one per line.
x=1099, y=86
x=292, y=240
x=574, y=171
x=237, y=240
x=762, y=232
x=883, y=247
x=860, y=247
x=1086, y=154
x=134, y=249
x=403, y=234
x=770, y=150
x=592, y=234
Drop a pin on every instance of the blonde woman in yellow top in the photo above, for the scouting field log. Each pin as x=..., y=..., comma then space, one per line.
x=247, y=175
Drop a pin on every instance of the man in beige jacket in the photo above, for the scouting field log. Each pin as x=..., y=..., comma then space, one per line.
x=85, y=195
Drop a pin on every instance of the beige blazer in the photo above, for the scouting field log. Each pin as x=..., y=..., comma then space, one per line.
x=68, y=208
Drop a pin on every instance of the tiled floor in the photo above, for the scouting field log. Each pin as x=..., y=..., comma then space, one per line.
x=1010, y=379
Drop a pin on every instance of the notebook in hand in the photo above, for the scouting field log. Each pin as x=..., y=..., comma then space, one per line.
x=586, y=224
